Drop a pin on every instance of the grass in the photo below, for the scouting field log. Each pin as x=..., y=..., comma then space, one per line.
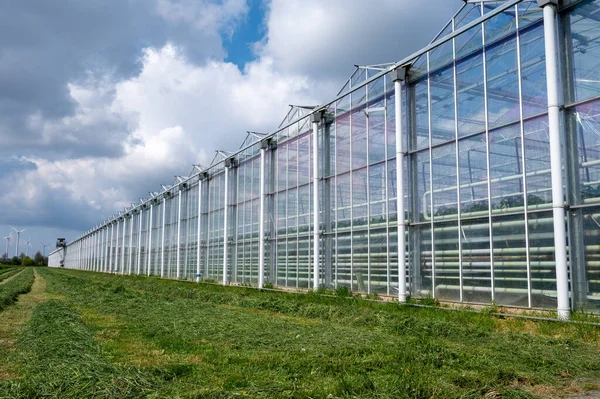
x=6, y=273
x=61, y=359
x=115, y=336
x=17, y=285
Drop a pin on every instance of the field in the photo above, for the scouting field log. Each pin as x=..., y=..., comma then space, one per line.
x=74, y=334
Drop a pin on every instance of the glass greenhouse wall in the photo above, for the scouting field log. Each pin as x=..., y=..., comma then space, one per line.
x=477, y=179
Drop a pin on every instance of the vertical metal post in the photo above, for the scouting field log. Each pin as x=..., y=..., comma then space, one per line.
x=225, y=212
x=162, y=244
x=139, y=257
x=560, y=241
x=316, y=119
x=117, y=247
x=398, y=75
x=261, y=217
x=101, y=250
x=198, y=274
x=178, y=275
x=110, y=247
x=150, y=238
x=130, y=260
x=123, y=246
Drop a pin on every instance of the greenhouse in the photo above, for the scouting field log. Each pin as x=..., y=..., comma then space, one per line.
x=486, y=142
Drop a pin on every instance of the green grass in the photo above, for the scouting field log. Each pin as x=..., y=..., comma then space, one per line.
x=8, y=272
x=10, y=290
x=61, y=359
x=168, y=339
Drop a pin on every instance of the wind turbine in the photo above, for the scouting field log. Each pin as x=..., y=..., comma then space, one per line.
x=27, y=246
x=8, y=237
x=18, y=236
x=44, y=245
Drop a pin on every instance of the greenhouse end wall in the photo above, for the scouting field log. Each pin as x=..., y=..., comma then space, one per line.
x=477, y=172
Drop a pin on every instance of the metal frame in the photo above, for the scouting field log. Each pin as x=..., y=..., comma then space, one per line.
x=96, y=247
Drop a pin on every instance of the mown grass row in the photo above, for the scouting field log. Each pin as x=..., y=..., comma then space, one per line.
x=8, y=272
x=20, y=284
x=225, y=342
x=59, y=358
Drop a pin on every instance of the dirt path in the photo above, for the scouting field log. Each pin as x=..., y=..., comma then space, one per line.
x=11, y=277
x=14, y=318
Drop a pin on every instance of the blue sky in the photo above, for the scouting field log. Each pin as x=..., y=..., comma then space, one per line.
x=102, y=101
x=240, y=47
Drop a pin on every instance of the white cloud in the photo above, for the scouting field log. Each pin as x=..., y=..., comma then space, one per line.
x=203, y=15
x=325, y=38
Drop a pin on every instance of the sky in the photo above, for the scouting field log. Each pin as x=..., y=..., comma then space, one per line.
x=101, y=101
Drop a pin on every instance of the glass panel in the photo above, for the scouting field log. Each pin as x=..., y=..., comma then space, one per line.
x=476, y=264
x=471, y=102
x=537, y=163
x=440, y=56
x=447, y=277
x=506, y=171
x=343, y=260
x=585, y=34
x=470, y=40
x=473, y=176
x=510, y=261
x=442, y=106
x=378, y=261
x=422, y=267
x=541, y=255
x=588, y=135
x=377, y=136
x=445, y=204
x=499, y=25
x=423, y=191
x=503, y=83
x=360, y=260
x=421, y=116
x=533, y=71
x=343, y=201
x=359, y=197
x=342, y=136
x=592, y=257
x=377, y=180
x=359, y=138
x=468, y=14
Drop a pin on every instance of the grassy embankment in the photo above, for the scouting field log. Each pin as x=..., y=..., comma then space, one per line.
x=113, y=336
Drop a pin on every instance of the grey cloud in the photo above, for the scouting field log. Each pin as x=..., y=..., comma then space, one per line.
x=46, y=44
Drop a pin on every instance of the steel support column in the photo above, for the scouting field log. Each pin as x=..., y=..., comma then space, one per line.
x=162, y=239
x=123, y=246
x=130, y=260
x=558, y=209
x=178, y=257
x=316, y=119
x=139, y=257
x=117, y=248
x=225, y=231
x=398, y=75
x=198, y=270
x=261, y=217
x=150, y=238
x=112, y=227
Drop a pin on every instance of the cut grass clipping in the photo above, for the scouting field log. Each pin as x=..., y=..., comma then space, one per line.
x=60, y=359
x=211, y=341
x=20, y=284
